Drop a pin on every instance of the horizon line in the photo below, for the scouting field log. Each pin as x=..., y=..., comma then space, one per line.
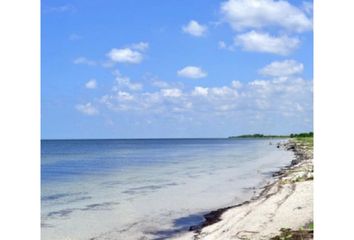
x=142, y=138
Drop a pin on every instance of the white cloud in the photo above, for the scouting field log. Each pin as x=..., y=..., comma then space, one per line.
x=253, y=102
x=307, y=7
x=141, y=46
x=245, y=14
x=195, y=29
x=263, y=42
x=87, y=109
x=125, y=96
x=192, y=72
x=85, y=61
x=125, y=55
x=223, y=92
x=282, y=68
x=171, y=92
x=236, y=84
x=185, y=107
x=107, y=64
x=200, y=91
x=125, y=82
x=91, y=84
x=299, y=107
x=160, y=84
x=259, y=83
x=222, y=45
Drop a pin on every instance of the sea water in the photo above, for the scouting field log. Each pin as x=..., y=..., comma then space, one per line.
x=147, y=188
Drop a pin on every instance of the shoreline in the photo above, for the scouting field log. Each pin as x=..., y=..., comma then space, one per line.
x=291, y=186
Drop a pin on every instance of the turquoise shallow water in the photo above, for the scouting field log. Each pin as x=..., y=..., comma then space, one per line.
x=129, y=189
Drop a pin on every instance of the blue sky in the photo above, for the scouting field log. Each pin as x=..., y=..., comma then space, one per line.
x=143, y=69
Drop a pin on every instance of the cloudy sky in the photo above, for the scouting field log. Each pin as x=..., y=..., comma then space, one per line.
x=158, y=68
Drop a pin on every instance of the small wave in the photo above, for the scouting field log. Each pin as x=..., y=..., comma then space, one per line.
x=61, y=195
x=100, y=206
x=148, y=188
x=64, y=213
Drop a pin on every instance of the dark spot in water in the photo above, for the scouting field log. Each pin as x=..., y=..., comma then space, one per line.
x=95, y=206
x=78, y=199
x=111, y=183
x=46, y=225
x=55, y=196
x=148, y=188
x=61, y=195
x=100, y=206
x=61, y=213
x=193, y=175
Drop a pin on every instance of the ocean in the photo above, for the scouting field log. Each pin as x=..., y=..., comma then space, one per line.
x=147, y=188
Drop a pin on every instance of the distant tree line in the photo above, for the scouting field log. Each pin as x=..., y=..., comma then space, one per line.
x=258, y=135
x=309, y=134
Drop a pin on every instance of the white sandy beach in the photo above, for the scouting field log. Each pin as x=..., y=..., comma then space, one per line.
x=285, y=203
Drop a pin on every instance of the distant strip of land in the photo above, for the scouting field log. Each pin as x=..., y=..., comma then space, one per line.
x=258, y=135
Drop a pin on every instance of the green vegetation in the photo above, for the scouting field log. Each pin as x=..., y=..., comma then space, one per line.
x=307, y=141
x=258, y=135
x=309, y=226
x=298, y=179
x=300, y=136
x=304, y=138
x=305, y=233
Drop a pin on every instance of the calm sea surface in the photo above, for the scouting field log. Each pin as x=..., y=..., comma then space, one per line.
x=146, y=189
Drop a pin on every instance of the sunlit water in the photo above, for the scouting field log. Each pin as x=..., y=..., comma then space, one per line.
x=146, y=189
